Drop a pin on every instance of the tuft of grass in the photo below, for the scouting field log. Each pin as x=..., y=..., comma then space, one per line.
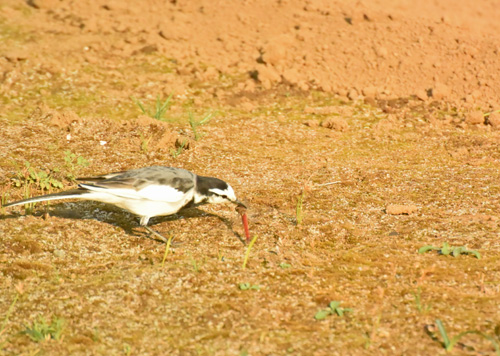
x=41, y=330
x=449, y=344
x=195, y=124
x=247, y=253
x=284, y=265
x=446, y=250
x=333, y=308
x=299, y=214
x=159, y=109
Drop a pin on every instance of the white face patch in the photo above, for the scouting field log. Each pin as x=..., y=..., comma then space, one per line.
x=218, y=198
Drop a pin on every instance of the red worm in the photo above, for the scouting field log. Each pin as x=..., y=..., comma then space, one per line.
x=244, y=219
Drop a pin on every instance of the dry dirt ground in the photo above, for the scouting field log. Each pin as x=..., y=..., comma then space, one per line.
x=379, y=116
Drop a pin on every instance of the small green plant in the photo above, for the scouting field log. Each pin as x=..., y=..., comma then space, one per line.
x=247, y=253
x=248, y=286
x=333, y=308
x=175, y=153
x=73, y=164
x=422, y=308
x=41, y=179
x=41, y=330
x=127, y=349
x=449, y=344
x=285, y=265
x=298, y=209
x=195, y=124
x=446, y=250
x=159, y=110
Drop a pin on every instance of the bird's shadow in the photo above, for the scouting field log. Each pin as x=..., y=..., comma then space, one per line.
x=117, y=217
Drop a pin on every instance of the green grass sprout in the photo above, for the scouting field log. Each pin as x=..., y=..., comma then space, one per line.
x=159, y=110
x=167, y=249
x=247, y=253
x=449, y=344
x=195, y=124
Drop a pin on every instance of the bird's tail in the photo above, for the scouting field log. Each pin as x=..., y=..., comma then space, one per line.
x=68, y=194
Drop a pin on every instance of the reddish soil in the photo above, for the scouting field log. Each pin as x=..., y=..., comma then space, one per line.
x=357, y=132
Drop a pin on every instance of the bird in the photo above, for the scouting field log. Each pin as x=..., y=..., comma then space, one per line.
x=148, y=192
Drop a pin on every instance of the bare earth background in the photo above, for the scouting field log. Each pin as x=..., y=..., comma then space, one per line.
x=392, y=102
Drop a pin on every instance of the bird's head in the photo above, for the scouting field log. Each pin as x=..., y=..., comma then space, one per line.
x=214, y=191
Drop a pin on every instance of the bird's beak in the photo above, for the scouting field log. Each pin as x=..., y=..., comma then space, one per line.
x=240, y=204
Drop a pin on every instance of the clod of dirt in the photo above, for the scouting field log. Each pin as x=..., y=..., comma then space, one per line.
x=62, y=119
x=311, y=123
x=267, y=75
x=336, y=124
x=422, y=94
x=440, y=92
x=397, y=209
x=370, y=92
x=474, y=118
x=494, y=120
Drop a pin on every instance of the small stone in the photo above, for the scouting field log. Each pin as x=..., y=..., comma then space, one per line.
x=494, y=120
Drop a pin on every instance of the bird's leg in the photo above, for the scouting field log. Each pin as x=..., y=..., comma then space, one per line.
x=144, y=223
x=156, y=234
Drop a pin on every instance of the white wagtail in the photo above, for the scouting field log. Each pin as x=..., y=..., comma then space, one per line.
x=150, y=191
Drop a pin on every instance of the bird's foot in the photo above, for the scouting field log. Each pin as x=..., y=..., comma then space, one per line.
x=163, y=238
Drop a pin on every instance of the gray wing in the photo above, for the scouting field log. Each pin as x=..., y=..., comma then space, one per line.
x=152, y=183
